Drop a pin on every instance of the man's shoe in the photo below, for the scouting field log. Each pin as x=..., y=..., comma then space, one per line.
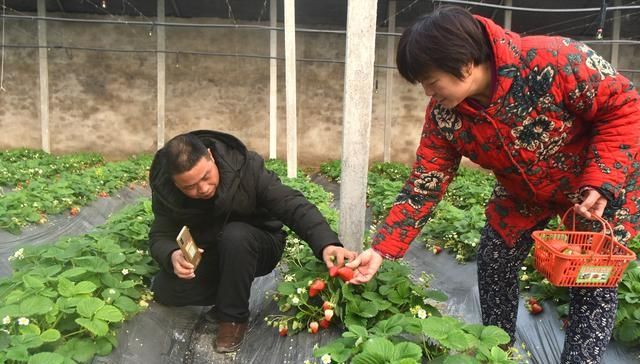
x=229, y=336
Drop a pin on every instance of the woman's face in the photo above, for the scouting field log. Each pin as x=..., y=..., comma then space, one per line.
x=447, y=89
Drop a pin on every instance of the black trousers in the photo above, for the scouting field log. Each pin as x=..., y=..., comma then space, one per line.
x=592, y=311
x=226, y=272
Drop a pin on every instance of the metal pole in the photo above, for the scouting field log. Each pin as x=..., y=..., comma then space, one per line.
x=615, y=47
x=161, y=69
x=389, y=84
x=290, y=81
x=273, y=83
x=507, y=15
x=44, y=77
x=358, y=88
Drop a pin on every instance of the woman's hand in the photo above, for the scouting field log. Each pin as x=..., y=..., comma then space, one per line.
x=365, y=265
x=332, y=253
x=593, y=203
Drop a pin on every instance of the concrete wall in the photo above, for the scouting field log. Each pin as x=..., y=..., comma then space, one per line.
x=106, y=101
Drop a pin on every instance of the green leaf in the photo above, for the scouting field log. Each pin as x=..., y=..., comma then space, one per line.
x=88, y=306
x=407, y=350
x=126, y=304
x=46, y=358
x=36, y=305
x=461, y=359
x=103, y=346
x=436, y=295
x=50, y=335
x=33, y=281
x=368, y=358
x=380, y=347
x=31, y=329
x=439, y=327
x=363, y=308
x=115, y=258
x=14, y=296
x=73, y=272
x=493, y=336
x=65, y=287
x=18, y=353
x=97, y=327
x=4, y=340
x=85, y=287
x=28, y=341
x=9, y=310
x=109, y=313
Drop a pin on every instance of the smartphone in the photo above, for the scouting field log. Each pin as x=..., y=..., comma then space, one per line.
x=188, y=247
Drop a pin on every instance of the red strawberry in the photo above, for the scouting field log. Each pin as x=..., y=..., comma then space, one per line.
x=328, y=314
x=103, y=194
x=324, y=324
x=437, y=249
x=74, y=211
x=333, y=271
x=316, y=287
x=313, y=327
x=283, y=330
x=346, y=274
x=327, y=306
x=535, y=309
x=532, y=300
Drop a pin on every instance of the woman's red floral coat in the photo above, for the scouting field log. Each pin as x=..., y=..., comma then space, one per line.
x=560, y=118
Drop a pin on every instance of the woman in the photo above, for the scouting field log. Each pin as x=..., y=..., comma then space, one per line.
x=557, y=125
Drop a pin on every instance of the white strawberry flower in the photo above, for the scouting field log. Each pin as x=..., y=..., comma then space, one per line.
x=6, y=320
x=422, y=314
x=125, y=271
x=23, y=321
x=326, y=359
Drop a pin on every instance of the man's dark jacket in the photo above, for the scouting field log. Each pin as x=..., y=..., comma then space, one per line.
x=247, y=192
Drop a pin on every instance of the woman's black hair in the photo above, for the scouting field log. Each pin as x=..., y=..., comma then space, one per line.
x=447, y=39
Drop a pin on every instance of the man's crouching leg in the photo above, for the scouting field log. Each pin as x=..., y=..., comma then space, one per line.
x=244, y=252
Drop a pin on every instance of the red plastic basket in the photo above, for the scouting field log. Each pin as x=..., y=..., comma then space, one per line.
x=595, y=259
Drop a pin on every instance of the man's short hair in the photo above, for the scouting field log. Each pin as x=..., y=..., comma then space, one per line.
x=183, y=152
x=447, y=39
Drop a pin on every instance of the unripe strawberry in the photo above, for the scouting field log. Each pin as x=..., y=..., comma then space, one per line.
x=313, y=327
x=328, y=314
x=327, y=306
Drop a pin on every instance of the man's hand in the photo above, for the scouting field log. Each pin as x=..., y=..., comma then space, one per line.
x=181, y=266
x=365, y=265
x=338, y=253
x=593, y=203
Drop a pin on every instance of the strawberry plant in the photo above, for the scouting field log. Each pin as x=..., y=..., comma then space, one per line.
x=64, y=301
x=32, y=203
x=21, y=172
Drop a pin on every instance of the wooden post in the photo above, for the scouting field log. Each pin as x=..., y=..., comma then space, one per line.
x=389, y=84
x=358, y=88
x=44, y=76
x=161, y=64
x=290, y=81
x=273, y=82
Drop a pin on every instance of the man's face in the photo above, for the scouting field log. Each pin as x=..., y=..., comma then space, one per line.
x=201, y=181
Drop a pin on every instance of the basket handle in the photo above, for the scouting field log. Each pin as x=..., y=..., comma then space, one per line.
x=606, y=227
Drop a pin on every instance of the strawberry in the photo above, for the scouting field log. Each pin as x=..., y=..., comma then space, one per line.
x=316, y=287
x=437, y=249
x=333, y=271
x=346, y=274
x=103, y=194
x=327, y=306
x=283, y=330
x=328, y=314
x=74, y=211
x=535, y=308
x=324, y=324
x=313, y=327
x=532, y=300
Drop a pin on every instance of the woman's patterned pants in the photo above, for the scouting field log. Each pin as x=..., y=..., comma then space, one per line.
x=592, y=311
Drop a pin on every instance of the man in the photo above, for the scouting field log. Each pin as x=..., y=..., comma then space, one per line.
x=235, y=209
